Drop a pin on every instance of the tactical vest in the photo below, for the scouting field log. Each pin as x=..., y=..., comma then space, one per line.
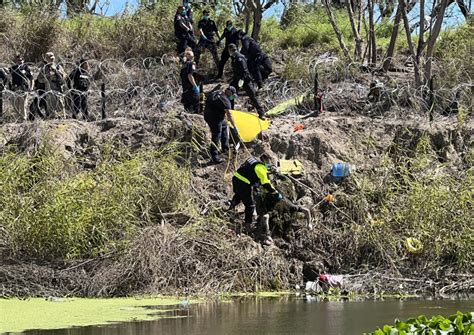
x=247, y=170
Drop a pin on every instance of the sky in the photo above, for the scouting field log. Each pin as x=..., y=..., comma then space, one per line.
x=112, y=7
x=117, y=6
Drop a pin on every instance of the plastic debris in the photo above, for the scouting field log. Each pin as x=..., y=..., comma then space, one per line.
x=331, y=280
x=282, y=107
x=413, y=245
x=249, y=125
x=329, y=198
x=298, y=127
x=342, y=170
x=291, y=167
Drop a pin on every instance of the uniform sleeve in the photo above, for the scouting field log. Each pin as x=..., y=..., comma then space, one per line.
x=189, y=68
x=262, y=173
x=214, y=27
x=200, y=24
x=28, y=72
x=245, y=47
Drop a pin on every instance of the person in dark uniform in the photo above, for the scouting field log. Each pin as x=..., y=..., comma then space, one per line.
x=79, y=81
x=21, y=84
x=252, y=173
x=49, y=86
x=259, y=64
x=208, y=29
x=241, y=72
x=190, y=96
x=183, y=31
x=218, y=106
x=231, y=36
x=189, y=11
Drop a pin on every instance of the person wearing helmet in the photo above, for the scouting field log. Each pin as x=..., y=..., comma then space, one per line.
x=49, y=85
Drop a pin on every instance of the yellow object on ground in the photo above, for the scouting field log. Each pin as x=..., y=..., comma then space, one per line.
x=413, y=245
x=293, y=167
x=280, y=108
x=249, y=125
x=329, y=198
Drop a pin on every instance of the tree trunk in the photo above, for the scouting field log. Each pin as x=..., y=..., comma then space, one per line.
x=247, y=20
x=411, y=47
x=432, y=39
x=257, y=20
x=421, y=42
x=372, y=40
x=336, y=30
x=393, y=39
x=355, y=31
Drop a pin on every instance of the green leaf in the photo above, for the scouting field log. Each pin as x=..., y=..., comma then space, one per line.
x=387, y=329
x=402, y=325
x=445, y=324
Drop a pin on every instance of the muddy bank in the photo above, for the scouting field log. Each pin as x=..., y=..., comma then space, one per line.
x=199, y=253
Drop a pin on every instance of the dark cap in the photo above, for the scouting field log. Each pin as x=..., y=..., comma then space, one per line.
x=232, y=46
x=232, y=89
x=19, y=57
x=228, y=23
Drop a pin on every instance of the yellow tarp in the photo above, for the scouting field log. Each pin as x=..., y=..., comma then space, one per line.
x=293, y=167
x=249, y=125
x=280, y=108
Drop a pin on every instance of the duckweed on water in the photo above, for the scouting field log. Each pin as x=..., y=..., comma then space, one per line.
x=56, y=313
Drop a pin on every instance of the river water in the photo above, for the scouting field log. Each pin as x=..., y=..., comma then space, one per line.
x=282, y=315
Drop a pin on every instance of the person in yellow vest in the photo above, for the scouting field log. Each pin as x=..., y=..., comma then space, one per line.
x=252, y=173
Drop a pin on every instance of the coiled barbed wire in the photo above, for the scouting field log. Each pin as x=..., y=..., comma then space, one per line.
x=139, y=87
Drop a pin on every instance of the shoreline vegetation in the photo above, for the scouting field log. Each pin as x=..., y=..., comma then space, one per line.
x=125, y=205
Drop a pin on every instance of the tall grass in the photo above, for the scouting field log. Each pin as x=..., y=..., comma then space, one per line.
x=50, y=209
x=413, y=195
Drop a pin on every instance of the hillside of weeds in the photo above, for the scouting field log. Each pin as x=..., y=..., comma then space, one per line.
x=52, y=209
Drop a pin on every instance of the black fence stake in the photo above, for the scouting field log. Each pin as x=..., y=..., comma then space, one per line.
x=317, y=97
x=102, y=94
x=1, y=103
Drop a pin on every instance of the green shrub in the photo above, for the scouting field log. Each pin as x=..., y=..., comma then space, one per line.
x=50, y=210
x=459, y=324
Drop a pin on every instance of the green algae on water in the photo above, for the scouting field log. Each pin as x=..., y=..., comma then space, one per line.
x=56, y=313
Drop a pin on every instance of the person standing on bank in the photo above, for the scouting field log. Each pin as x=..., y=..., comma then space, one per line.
x=190, y=96
x=208, y=29
x=218, y=106
x=49, y=84
x=183, y=31
x=21, y=83
x=79, y=81
x=241, y=73
x=231, y=36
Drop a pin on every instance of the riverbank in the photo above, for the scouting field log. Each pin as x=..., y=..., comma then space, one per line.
x=190, y=246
